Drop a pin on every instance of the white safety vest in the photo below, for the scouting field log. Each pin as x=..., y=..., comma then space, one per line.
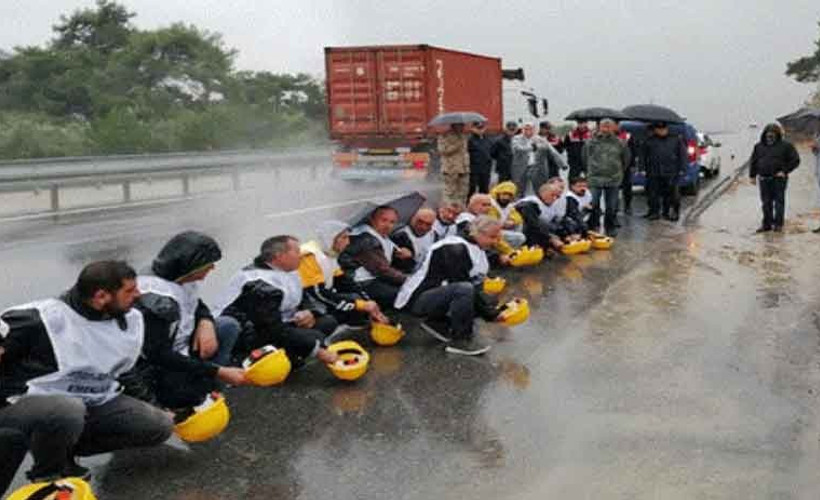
x=289, y=283
x=388, y=247
x=583, y=201
x=465, y=217
x=549, y=213
x=90, y=355
x=186, y=297
x=444, y=230
x=421, y=244
x=479, y=268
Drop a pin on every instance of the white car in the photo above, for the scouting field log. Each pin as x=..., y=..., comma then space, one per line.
x=709, y=157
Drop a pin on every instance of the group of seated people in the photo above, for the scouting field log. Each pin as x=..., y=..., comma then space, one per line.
x=120, y=357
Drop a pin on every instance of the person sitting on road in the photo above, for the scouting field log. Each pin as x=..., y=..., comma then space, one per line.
x=503, y=209
x=59, y=363
x=320, y=274
x=545, y=217
x=481, y=204
x=418, y=237
x=13, y=449
x=579, y=201
x=267, y=299
x=186, y=352
x=445, y=224
x=371, y=255
x=446, y=290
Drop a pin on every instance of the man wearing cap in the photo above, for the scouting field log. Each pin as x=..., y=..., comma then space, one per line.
x=502, y=152
x=665, y=160
x=481, y=161
x=186, y=351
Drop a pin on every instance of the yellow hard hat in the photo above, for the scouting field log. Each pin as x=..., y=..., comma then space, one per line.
x=494, y=286
x=72, y=488
x=386, y=334
x=208, y=421
x=602, y=243
x=514, y=312
x=527, y=256
x=576, y=247
x=267, y=366
x=353, y=360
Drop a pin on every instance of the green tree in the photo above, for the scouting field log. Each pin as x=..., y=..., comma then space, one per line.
x=806, y=69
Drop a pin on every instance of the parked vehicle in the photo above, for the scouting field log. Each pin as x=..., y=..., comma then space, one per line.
x=709, y=157
x=381, y=98
x=690, y=182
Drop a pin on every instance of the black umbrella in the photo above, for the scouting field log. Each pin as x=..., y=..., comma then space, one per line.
x=406, y=206
x=460, y=117
x=596, y=114
x=804, y=120
x=652, y=113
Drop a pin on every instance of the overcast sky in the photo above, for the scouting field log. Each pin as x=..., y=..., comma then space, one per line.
x=719, y=62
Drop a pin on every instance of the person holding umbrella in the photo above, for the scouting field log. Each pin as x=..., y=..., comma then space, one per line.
x=455, y=163
x=664, y=158
x=773, y=159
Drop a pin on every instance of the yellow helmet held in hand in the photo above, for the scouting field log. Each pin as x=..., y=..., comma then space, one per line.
x=576, y=247
x=72, y=488
x=494, y=286
x=267, y=366
x=353, y=360
x=602, y=243
x=514, y=312
x=386, y=334
x=208, y=421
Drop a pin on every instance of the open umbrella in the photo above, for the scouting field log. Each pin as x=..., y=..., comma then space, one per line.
x=652, y=113
x=406, y=206
x=464, y=117
x=596, y=114
x=803, y=120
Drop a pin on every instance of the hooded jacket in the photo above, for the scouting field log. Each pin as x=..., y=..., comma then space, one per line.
x=320, y=272
x=172, y=310
x=508, y=213
x=29, y=351
x=768, y=160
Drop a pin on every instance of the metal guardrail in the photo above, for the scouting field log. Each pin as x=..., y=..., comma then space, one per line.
x=54, y=174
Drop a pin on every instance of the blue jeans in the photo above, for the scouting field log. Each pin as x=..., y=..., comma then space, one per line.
x=610, y=195
x=227, y=332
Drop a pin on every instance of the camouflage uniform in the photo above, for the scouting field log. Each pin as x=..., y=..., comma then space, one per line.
x=455, y=166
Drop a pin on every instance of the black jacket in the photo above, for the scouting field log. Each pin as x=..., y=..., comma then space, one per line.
x=780, y=157
x=366, y=251
x=480, y=149
x=452, y=263
x=664, y=156
x=28, y=350
x=257, y=309
x=501, y=152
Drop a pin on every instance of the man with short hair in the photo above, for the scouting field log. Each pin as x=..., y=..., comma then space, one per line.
x=555, y=162
x=773, y=159
x=502, y=152
x=187, y=353
x=445, y=223
x=664, y=159
x=266, y=299
x=480, y=205
x=455, y=163
x=605, y=157
x=545, y=223
x=371, y=257
x=479, y=147
x=579, y=200
x=418, y=237
x=447, y=289
x=574, y=144
x=59, y=363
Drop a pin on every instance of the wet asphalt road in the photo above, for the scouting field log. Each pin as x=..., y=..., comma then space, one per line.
x=682, y=364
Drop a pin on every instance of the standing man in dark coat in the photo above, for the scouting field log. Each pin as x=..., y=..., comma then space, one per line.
x=574, y=145
x=773, y=159
x=481, y=162
x=664, y=158
x=502, y=153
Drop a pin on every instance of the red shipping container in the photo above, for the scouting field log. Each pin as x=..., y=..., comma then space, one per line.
x=385, y=95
